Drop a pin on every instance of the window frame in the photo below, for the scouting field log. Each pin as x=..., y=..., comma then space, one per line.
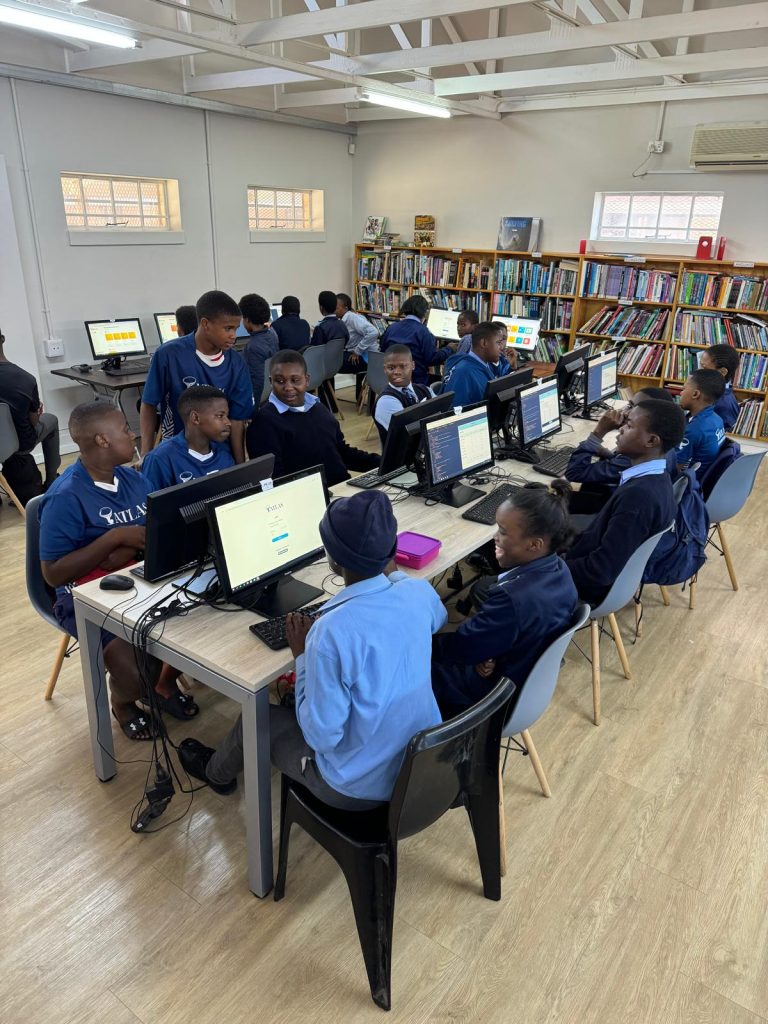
x=652, y=238
x=313, y=225
x=116, y=234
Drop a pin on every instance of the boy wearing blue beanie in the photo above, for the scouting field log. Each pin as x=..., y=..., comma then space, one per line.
x=363, y=676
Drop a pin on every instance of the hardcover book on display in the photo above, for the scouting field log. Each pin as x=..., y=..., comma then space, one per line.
x=519, y=234
x=374, y=228
x=424, y=229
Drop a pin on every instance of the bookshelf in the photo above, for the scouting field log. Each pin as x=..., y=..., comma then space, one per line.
x=660, y=311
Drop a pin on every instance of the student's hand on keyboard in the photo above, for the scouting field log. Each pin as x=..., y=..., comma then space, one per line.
x=296, y=628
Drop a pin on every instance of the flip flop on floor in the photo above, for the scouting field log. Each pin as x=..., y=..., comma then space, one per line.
x=138, y=724
x=180, y=705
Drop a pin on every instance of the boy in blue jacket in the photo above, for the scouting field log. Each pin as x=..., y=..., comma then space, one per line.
x=704, y=431
x=725, y=360
x=467, y=375
x=412, y=331
x=262, y=341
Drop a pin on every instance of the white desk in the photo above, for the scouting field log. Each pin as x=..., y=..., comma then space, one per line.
x=218, y=649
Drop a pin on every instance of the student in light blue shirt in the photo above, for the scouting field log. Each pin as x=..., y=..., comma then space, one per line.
x=704, y=432
x=202, y=449
x=363, y=684
x=363, y=336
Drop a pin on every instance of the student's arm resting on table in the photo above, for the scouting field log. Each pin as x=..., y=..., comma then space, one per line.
x=112, y=550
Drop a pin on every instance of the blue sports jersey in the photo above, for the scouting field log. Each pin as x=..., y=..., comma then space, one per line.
x=176, y=366
x=704, y=435
x=173, y=463
x=75, y=510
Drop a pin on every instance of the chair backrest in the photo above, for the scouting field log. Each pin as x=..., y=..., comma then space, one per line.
x=453, y=757
x=377, y=379
x=729, y=452
x=9, y=439
x=537, y=690
x=730, y=493
x=679, y=487
x=314, y=357
x=333, y=352
x=41, y=595
x=266, y=387
x=628, y=581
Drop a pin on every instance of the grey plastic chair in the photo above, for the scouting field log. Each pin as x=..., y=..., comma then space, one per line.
x=41, y=596
x=9, y=445
x=375, y=381
x=621, y=593
x=333, y=357
x=679, y=487
x=314, y=357
x=267, y=387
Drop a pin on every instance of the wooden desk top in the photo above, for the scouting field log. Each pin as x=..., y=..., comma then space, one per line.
x=104, y=380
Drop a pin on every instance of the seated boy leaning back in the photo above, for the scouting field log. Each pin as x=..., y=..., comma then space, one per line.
x=201, y=449
x=91, y=524
x=362, y=671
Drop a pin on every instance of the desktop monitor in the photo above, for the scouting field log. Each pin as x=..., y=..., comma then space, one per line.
x=568, y=368
x=442, y=323
x=404, y=434
x=457, y=444
x=538, y=412
x=167, y=328
x=522, y=332
x=275, y=310
x=241, y=332
x=259, y=538
x=115, y=338
x=600, y=377
x=177, y=528
x=500, y=396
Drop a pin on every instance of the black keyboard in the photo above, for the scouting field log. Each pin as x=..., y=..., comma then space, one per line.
x=375, y=479
x=272, y=631
x=555, y=463
x=485, y=511
x=129, y=368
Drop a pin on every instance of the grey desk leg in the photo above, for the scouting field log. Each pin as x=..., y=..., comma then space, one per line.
x=96, y=696
x=257, y=774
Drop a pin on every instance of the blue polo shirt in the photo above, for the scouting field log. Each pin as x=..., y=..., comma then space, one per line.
x=727, y=408
x=704, y=435
x=174, y=462
x=176, y=366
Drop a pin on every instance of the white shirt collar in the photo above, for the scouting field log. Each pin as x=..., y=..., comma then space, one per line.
x=652, y=468
x=309, y=401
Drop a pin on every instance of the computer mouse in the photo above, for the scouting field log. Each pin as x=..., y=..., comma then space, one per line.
x=82, y=367
x=116, y=582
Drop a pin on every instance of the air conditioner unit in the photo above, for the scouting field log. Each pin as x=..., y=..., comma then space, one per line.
x=730, y=147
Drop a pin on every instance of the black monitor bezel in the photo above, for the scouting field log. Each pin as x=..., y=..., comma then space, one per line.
x=474, y=407
x=590, y=359
x=496, y=397
x=569, y=365
x=403, y=443
x=116, y=320
x=541, y=383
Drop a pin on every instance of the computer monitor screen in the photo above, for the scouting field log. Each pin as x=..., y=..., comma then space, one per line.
x=539, y=414
x=275, y=310
x=600, y=377
x=167, y=327
x=265, y=534
x=500, y=394
x=568, y=365
x=522, y=332
x=404, y=433
x=458, y=444
x=241, y=332
x=176, y=540
x=442, y=323
x=115, y=338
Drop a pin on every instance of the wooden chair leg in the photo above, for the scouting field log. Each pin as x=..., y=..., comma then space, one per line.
x=620, y=646
x=595, y=634
x=12, y=495
x=691, y=595
x=638, y=618
x=664, y=596
x=727, y=556
x=502, y=825
x=370, y=428
x=535, y=761
x=56, y=670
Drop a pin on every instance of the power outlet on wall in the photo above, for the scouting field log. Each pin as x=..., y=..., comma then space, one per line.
x=54, y=348
x=656, y=146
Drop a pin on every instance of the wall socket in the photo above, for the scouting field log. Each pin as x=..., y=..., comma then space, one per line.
x=54, y=347
x=656, y=147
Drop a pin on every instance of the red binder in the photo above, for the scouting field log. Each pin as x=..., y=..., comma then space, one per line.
x=704, y=250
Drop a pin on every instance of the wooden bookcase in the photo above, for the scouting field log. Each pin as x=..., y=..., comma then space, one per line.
x=659, y=310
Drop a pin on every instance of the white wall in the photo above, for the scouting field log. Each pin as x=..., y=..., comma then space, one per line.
x=469, y=172
x=65, y=129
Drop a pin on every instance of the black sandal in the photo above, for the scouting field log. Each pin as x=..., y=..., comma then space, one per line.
x=180, y=705
x=135, y=726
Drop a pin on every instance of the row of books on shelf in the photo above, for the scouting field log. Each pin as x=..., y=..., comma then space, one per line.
x=450, y=273
x=457, y=301
x=716, y=329
x=377, y=298
x=752, y=372
x=737, y=292
x=399, y=267
x=609, y=281
x=640, y=360
x=557, y=278
x=751, y=421
x=621, y=321
x=549, y=348
x=680, y=362
x=555, y=314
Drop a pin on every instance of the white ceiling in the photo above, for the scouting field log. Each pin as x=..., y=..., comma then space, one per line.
x=310, y=57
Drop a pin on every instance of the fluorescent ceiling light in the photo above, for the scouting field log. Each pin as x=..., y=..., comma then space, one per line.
x=60, y=27
x=384, y=99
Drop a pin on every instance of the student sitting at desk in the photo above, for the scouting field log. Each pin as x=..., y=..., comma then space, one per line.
x=92, y=524
x=186, y=320
x=400, y=392
x=725, y=360
x=293, y=332
x=704, y=431
x=205, y=357
x=468, y=375
x=203, y=448
x=411, y=331
x=360, y=694
x=467, y=319
x=642, y=505
x=298, y=430
x=330, y=326
x=531, y=601
x=262, y=343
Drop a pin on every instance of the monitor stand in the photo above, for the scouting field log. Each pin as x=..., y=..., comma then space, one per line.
x=285, y=595
x=457, y=495
x=527, y=455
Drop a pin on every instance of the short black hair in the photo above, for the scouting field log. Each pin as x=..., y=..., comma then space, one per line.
x=344, y=299
x=398, y=350
x=470, y=315
x=726, y=358
x=290, y=304
x=656, y=394
x=215, y=305
x=186, y=320
x=710, y=383
x=85, y=419
x=196, y=398
x=327, y=301
x=286, y=356
x=255, y=308
x=666, y=419
x=486, y=329
x=544, y=509
x=416, y=305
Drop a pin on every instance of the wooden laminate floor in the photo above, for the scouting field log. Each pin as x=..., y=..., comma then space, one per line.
x=638, y=893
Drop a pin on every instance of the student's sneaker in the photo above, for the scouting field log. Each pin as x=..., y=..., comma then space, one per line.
x=194, y=757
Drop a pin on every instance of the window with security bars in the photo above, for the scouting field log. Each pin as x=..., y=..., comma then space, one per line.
x=283, y=209
x=98, y=202
x=656, y=216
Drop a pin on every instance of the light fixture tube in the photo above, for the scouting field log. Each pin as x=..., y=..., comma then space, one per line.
x=61, y=27
x=384, y=99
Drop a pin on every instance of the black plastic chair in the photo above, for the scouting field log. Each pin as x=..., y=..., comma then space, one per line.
x=451, y=765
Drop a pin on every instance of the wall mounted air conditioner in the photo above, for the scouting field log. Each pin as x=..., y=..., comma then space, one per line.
x=730, y=147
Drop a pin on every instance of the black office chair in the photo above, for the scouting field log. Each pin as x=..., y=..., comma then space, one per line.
x=453, y=764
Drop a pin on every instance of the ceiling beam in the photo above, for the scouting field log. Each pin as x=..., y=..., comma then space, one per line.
x=110, y=57
x=494, y=17
x=647, y=94
x=253, y=78
x=608, y=71
x=453, y=34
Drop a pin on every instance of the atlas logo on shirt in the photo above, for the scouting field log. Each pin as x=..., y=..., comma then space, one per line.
x=122, y=517
x=189, y=382
x=184, y=478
